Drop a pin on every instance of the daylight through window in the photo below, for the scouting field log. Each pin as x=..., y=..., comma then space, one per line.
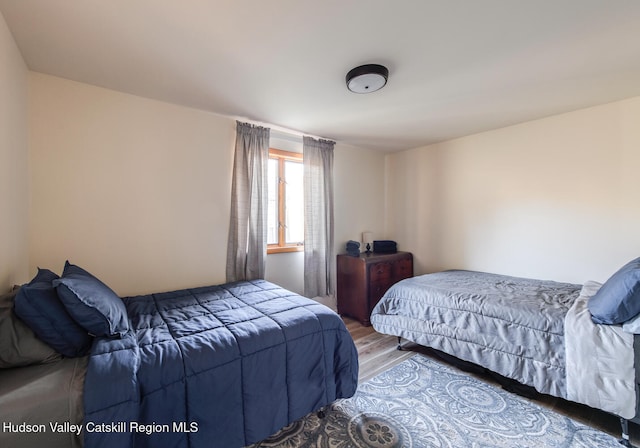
x=285, y=228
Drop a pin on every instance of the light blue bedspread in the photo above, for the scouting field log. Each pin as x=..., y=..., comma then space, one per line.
x=512, y=326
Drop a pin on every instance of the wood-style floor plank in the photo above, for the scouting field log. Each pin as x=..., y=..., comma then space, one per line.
x=377, y=353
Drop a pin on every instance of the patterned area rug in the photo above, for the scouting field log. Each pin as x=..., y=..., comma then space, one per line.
x=422, y=403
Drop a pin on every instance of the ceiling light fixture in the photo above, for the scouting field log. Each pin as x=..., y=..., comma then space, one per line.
x=367, y=78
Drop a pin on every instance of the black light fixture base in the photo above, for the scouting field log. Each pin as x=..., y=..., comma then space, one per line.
x=367, y=78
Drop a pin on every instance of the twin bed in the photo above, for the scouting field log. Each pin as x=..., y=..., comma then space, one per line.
x=219, y=366
x=539, y=333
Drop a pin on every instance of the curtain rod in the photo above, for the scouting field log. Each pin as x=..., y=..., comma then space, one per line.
x=276, y=133
x=281, y=132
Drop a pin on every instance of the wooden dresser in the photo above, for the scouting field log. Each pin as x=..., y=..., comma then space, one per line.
x=363, y=280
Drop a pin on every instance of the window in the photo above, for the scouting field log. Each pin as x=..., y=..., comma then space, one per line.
x=285, y=228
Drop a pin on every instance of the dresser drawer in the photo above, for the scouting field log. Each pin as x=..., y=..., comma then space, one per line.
x=379, y=272
x=377, y=290
x=403, y=269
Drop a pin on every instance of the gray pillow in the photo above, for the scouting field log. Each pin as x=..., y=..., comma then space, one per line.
x=19, y=346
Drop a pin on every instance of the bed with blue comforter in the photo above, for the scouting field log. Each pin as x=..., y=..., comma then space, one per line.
x=219, y=366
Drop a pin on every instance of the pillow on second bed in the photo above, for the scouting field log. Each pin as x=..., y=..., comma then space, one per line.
x=618, y=300
x=91, y=303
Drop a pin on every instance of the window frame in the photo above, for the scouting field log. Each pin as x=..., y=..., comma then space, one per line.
x=282, y=246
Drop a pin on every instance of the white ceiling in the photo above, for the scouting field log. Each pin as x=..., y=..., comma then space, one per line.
x=457, y=67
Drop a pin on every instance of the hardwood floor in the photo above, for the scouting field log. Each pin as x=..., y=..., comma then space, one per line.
x=377, y=353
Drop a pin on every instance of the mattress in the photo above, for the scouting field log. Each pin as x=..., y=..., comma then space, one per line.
x=42, y=395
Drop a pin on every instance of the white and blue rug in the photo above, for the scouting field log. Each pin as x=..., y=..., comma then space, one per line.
x=422, y=403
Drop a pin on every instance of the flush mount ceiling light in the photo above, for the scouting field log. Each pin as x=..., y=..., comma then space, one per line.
x=367, y=78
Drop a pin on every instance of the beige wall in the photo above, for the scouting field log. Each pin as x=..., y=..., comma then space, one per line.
x=359, y=194
x=555, y=198
x=134, y=190
x=138, y=191
x=14, y=171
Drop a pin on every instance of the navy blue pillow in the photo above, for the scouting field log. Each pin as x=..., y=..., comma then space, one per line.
x=38, y=305
x=618, y=300
x=91, y=303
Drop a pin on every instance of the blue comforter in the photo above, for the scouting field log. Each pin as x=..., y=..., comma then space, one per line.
x=220, y=366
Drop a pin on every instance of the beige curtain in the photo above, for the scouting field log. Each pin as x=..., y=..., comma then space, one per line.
x=318, y=216
x=247, y=246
